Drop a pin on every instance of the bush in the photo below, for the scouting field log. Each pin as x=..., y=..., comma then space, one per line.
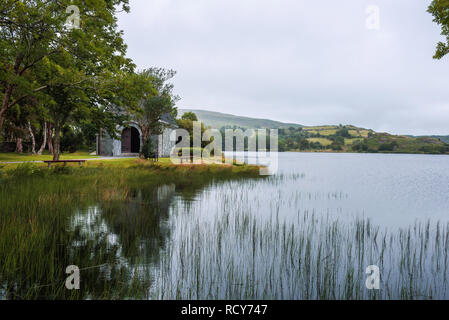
x=71, y=140
x=26, y=170
x=360, y=146
x=148, y=150
x=343, y=132
x=388, y=146
x=335, y=146
x=62, y=170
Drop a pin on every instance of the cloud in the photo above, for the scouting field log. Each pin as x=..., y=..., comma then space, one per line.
x=310, y=62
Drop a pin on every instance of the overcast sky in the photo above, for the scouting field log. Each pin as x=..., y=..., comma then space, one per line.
x=311, y=62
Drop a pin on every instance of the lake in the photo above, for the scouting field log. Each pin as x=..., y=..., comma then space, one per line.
x=392, y=190
x=307, y=232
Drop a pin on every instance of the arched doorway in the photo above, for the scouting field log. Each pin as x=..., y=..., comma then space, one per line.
x=130, y=140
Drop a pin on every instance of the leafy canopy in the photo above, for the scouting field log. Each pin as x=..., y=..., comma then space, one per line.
x=440, y=11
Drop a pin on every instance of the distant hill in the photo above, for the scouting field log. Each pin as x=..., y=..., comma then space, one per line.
x=444, y=139
x=218, y=120
x=348, y=138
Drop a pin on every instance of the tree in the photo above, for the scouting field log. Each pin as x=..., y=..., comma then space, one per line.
x=88, y=77
x=304, y=144
x=29, y=32
x=440, y=11
x=186, y=123
x=20, y=120
x=343, y=132
x=157, y=99
x=74, y=68
x=189, y=116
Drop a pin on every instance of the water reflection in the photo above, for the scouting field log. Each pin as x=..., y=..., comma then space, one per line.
x=119, y=242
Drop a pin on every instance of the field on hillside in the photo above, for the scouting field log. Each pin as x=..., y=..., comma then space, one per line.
x=352, y=139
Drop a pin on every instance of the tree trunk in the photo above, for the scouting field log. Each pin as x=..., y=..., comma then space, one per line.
x=5, y=102
x=56, y=145
x=99, y=142
x=41, y=150
x=33, y=140
x=145, y=132
x=50, y=139
x=9, y=90
x=19, y=146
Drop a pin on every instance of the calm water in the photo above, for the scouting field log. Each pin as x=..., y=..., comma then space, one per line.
x=391, y=189
x=307, y=232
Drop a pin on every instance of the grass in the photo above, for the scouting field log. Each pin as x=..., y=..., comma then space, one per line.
x=42, y=232
x=323, y=141
x=383, y=142
x=349, y=142
x=14, y=157
x=231, y=251
x=324, y=131
x=315, y=258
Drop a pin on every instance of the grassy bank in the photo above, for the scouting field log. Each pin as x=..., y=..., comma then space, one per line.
x=15, y=157
x=39, y=239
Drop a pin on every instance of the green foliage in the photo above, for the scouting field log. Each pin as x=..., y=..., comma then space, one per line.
x=343, y=132
x=148, y=149
x=388, y=146
x=186, y=123
x=440, y=11
x=189, y=116
x=30, y=170
x=383, y=142
x=336, y=146
x=361, y=146
x=350, y=138
x=157, y=100
x=75, y=74
x=25, y=170
x=71, y=140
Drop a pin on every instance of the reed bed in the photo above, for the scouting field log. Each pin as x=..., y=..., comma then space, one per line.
x=238, y=256
x=39, y=237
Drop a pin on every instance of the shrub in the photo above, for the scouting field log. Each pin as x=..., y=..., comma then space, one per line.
x=62, y=170
x=71, y=140
x=335, y=146
x=148, y=150
x=360, y=146
x=343, y=132
x=26, y=170
x=388, y=146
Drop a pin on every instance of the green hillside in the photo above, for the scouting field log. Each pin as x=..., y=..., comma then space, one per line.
x=218, y=120
x=342, y=138
x=444, y=139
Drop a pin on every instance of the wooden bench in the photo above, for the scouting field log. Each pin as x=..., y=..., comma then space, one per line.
x=50, y=162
